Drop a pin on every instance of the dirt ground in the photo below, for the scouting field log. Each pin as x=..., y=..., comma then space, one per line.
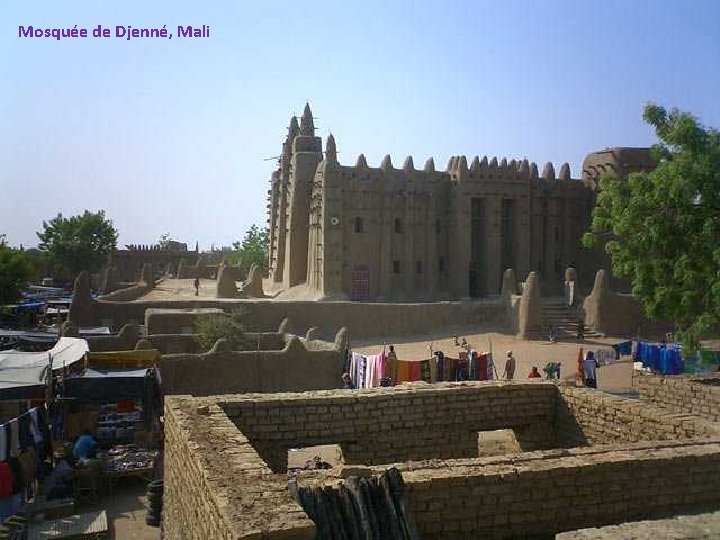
x=126, y=511
x=615, y=378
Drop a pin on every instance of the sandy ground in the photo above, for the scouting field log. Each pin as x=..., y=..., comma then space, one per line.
x=181, y=289
x=615, y=378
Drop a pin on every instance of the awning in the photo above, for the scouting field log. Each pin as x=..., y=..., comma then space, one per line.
x=24, y=373
x=109, y=384
x=143, y=358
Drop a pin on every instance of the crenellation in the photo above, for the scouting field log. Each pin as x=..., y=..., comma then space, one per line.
x=408, y=165
x=548, y=172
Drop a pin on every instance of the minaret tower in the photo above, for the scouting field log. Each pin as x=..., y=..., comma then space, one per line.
x=306, y=153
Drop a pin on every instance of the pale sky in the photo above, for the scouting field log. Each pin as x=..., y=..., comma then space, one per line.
x=170, y=136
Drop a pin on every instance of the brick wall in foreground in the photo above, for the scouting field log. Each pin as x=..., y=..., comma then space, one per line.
x=543, y=493
x=681, y=393
x=216, y=486
x=586, y=416
x=386, y=425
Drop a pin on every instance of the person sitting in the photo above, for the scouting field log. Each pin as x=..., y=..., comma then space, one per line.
x=347, y=382
x=534, y=373
x=552, y=335
x=85, y=446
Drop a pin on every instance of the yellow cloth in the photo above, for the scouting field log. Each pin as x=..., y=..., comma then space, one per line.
x=391, y=369
x=144, y=358
x=403, y=372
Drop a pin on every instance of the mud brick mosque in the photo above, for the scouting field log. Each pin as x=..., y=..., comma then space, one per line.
x=361, y=233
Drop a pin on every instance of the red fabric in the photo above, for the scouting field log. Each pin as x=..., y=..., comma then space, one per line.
x=415, y=371
x=481, y=371
x=534, y=375
x=6, y=480
x=126, y=406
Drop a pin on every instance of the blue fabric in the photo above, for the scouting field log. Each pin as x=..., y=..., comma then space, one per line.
x=84, y=446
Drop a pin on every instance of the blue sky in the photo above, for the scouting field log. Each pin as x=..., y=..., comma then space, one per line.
x=170, y=135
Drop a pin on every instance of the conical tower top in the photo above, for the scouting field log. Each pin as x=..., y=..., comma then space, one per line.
x=307, y=127
x=294, y=128
x=330, y=149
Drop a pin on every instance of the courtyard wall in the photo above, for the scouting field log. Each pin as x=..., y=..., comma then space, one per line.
x=680, y=393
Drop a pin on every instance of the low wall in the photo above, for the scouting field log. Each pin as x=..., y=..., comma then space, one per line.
x=363, y=319
x=543, y=493
x=124, y=340
x=128, y=294
x=698, y=526
x=384, y=425
x=203, y=449
x=586, y=416
x=175, y=321
x=294, y=368
x=680, y=393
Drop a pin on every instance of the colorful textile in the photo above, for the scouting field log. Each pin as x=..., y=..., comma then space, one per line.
x=482, y=367
x=403, y=371
x=391, y=369
x=623, y=349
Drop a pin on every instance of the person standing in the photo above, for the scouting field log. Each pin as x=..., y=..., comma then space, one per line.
x=590, y=370
x=196, y=283
x=509, y=373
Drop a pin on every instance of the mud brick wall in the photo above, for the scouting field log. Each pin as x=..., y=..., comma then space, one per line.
x=694, y=526
x=293, y=368
x=216, y=486
x=387, y=425
x=680, y=393
x=543, y=493
x=586, y=416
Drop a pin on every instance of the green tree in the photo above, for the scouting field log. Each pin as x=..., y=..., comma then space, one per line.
x=78, y=243
x=15, y=272
x=253, y=249
x=213, y=326
x=663, y=227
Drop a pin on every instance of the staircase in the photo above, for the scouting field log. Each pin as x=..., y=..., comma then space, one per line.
x=563, y=318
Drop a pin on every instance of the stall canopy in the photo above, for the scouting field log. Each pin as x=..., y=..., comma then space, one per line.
x=23, y=374
x=110, y=384
x=143, y=358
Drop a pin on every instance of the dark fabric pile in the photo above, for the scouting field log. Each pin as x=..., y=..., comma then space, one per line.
x=360, y=508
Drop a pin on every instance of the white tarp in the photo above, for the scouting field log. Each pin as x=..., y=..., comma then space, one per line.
x=18, y=368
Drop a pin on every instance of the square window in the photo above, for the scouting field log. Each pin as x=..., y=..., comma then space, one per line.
x=359, y=226
x=399, y=227
x=396, y=267
x=418, y=267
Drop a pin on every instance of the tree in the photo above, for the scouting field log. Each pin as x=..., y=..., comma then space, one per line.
x=213, y=326
x=80, y=242
x=663, y=227
x=15, y=272
x=165, y=240
x=252, y=250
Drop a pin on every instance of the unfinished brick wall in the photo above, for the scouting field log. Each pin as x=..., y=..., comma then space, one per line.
x=226, y=458
x=542, y=493
x=586, y=416
x=681, y=393
x=387, y=425
x=216, y=486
